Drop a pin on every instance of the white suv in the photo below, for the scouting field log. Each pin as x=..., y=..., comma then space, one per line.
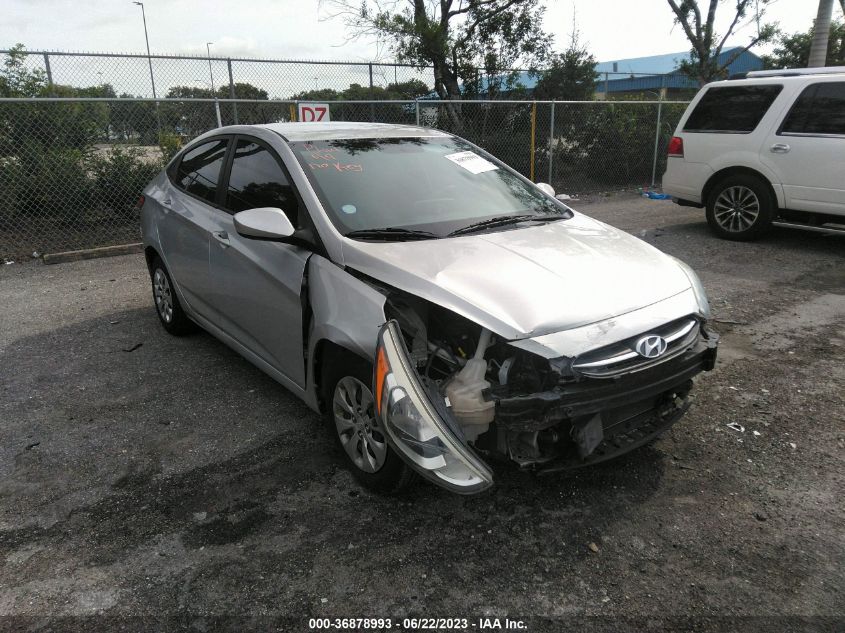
x=762, y=150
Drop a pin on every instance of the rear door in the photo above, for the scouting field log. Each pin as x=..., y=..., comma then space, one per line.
x=256, y=285
x=188, y=211
x=807, y=150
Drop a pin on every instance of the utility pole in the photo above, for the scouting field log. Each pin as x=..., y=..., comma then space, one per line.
x=821, y=34
x=150, y=62
x=211, y=75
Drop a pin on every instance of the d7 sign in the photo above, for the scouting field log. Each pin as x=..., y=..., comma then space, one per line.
x=312, y=112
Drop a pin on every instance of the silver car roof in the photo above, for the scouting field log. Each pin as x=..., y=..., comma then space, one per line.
x=347, y=130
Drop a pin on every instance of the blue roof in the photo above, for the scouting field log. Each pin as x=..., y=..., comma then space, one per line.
x=669, y=63
x=647, y=73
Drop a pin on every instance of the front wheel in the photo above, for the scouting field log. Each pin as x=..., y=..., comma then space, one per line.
x=740, y=208
x=351, y=417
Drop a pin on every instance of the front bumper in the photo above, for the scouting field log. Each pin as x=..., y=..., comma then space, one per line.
x=578, y=423
x=595, y=395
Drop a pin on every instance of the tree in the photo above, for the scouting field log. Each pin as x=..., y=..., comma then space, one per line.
x=570, y=76
x=453, y=37
x=793, y=51
x=704, y=64
x=243, y=91
x=16, y=80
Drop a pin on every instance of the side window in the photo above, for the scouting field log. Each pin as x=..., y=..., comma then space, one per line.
x=819, y=110
x=257, y=180
x=199, y=170
x=735, y=109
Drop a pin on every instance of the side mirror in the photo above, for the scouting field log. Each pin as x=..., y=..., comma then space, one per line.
x=266, y=223
x=546, y=189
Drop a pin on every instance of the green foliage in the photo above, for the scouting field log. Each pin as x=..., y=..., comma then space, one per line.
x=16, y=80
x=403, y=90
x=52, y=173
x=120, y=173
x=170, y=144
x=52, y=183
x=793, y=50
x=571, y=76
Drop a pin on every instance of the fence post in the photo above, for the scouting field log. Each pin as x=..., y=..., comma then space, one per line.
x=49, y=73
x=606, y=88
x=417, y=108
x=533, y=133
x=232, y=91
x=372, y=105
x=551, y=141
x=657, y=136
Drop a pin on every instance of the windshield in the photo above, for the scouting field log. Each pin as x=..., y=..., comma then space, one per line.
x=431, y=186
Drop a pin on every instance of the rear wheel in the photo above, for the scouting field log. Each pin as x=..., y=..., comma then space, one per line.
x=350, y=415
x=740, y=208
x=167, y=305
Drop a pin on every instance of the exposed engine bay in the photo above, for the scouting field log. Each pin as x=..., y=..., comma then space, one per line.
x=550, y=414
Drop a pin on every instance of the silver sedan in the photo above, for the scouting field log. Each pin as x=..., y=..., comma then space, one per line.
x=439, y=309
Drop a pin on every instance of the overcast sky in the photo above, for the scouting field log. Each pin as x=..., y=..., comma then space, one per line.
x=613, y=29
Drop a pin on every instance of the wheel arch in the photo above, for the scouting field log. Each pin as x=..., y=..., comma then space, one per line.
x=150, y=253
x=328, y=351
x=738, y=171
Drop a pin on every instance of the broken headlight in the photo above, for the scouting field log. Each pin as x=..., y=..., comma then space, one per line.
x=415, y=428
x=697, y=288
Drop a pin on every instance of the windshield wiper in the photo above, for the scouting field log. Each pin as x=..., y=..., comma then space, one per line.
x=503, y=220
x=392, y=233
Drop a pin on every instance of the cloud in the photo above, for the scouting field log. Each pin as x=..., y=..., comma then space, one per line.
x=225, y=46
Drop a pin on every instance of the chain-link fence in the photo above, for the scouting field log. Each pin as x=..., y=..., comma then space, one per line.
x=71, y=169
x=174, y=76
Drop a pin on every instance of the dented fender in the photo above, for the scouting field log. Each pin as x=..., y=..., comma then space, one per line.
x=344, y=310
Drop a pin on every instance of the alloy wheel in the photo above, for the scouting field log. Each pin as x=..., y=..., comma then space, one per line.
x=357, y=426
x=163, y=295
x=736, y=209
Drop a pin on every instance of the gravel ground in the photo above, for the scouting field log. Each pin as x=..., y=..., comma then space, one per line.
x=160, y=483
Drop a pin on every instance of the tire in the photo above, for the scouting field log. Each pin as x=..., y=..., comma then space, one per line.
x=166, y=303
x=347, y=379
x=740, y=208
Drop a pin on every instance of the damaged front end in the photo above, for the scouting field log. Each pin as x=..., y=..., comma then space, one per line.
x=417, y=423
x=448, y=391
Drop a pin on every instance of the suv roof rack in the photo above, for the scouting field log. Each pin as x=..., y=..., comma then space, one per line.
x=796, y=72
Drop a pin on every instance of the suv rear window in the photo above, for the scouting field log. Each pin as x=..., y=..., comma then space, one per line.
x=819, y=110
x=736, y=109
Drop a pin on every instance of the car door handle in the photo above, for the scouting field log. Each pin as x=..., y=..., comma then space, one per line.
x=222, y=237
x=780, y=148
x=167, y=204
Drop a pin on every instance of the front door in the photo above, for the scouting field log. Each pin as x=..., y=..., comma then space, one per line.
x=807, y=151
x=256, y=285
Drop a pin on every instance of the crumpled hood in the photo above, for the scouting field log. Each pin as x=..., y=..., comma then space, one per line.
x=527, y=282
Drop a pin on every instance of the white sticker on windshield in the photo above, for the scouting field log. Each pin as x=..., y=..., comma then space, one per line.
x=472, y=162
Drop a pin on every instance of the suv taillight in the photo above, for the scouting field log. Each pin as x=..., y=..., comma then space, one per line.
x=140, y=202
x=676, y=146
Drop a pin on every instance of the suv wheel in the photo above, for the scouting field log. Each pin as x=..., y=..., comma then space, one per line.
x=350, y=414
x=168, y=308
x=740, y=208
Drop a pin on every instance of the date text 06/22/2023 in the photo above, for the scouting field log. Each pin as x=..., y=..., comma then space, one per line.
x=418, y=624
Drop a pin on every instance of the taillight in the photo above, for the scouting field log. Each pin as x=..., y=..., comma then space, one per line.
x=676, y=146
x=140, y=202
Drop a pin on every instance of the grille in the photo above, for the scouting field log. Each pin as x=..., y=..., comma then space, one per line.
x=621, y=358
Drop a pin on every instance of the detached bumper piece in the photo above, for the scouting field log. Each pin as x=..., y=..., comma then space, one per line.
x=417, y=423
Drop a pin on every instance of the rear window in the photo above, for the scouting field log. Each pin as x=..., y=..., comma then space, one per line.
x=199, y=169
x=819, y=110
x=733, y=109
